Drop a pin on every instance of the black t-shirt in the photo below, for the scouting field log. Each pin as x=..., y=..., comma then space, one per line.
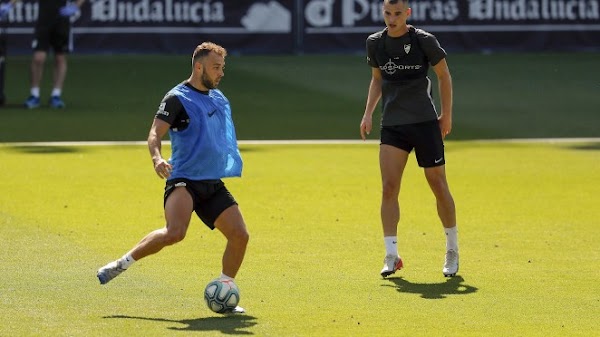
x=404, y=61
x=49, y=10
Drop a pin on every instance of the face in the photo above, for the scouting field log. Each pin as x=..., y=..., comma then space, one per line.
x=213, y=67
x=395, y=16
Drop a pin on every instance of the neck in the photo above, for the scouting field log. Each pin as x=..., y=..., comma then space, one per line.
x=196, y=83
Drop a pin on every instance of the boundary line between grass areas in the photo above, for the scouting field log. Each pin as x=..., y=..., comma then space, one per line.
x=306, y=142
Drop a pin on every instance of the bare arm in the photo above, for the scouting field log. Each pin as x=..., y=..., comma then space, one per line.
x=372, y=99
x=445, y=88
x=157, y=131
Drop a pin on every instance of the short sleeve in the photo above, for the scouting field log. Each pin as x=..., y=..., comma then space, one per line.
x=431, y=47
x=371, y=45
x=168, y=109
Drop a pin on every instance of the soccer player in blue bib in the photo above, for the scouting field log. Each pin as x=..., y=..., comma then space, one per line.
x=197, y=117
x=400, y=57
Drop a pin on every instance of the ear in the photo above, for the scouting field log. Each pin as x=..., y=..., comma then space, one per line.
x=198, y=66
x=408, y=12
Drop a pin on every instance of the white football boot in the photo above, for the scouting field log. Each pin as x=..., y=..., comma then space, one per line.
x=391, y=263
x=236, y=310
x=110, y=271
x=451, y=264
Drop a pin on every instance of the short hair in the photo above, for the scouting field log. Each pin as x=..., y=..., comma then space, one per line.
x=204, y=49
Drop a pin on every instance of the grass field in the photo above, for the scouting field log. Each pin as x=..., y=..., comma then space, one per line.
x=308, y=97
x=529, y=233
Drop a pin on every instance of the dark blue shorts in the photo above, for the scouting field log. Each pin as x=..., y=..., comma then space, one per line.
x=425, y=138
x=211, y=197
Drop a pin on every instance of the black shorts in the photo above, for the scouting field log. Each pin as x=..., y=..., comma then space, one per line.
x=425, y=138
x=53, y=33
x=210, y=197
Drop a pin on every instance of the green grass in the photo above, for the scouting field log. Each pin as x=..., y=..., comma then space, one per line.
x=308, y=97
x=529, y=234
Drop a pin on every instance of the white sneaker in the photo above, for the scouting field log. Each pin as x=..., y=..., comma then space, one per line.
x=236, y=310
x=109, y=272
x=451, y=264
x=391, y=263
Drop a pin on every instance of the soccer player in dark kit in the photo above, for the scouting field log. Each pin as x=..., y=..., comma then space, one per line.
x=52, y=30
x=400, y=56
x=5, y=8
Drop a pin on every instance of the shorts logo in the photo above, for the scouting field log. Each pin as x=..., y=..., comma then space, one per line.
x=407, y=48
x=181, y=184
x=438, y=160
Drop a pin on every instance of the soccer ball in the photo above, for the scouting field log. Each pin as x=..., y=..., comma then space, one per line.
x=221, y=295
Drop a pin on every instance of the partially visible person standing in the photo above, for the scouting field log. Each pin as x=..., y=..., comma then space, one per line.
x=204, y=149
x=5, y=8
x=52, y=31
x=400, y=57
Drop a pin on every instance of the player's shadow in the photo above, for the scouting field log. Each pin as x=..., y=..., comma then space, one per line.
x=452, y=286
x=45, y=149
x=229, y=324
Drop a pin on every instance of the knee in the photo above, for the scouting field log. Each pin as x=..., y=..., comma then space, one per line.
x=174, y=236
x=240, y=237
x=440, y=189
x=244, y=237
x=38, y=58
x=390, y=190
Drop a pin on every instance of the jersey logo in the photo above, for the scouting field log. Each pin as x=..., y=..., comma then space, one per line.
x=391, y=67
x=210, y=114
x=407, y=48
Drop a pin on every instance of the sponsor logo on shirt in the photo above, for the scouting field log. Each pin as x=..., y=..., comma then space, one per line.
x=391, y=67
x=161, y=109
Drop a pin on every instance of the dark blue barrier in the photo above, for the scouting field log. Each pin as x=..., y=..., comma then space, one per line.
x=315, y=26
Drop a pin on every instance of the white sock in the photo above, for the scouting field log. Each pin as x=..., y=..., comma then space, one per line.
x=391, y=245
x=126, y=261
x=225, y=277
x=56, y=92
x=35, y=91
x=451, y=238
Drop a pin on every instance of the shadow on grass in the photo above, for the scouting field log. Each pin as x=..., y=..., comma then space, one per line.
x=587, y=146
x=45, y=149
x=452, y=286
x=229, y=324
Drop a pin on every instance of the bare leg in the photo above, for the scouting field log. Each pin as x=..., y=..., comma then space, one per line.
x=436, y=177
x=37, y=68
x=60, y=70
x=231, y=224
x=392, y=162
x=178, y=212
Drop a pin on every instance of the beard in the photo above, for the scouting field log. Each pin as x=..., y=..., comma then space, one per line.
x=207, y=82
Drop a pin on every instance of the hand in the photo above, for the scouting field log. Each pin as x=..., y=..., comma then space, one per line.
x=4, y=9
x=69, y=10
x=365, y=126
x=445, y=125
x=163, y=168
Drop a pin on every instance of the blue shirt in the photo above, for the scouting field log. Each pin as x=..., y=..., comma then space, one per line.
x=207, y=148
